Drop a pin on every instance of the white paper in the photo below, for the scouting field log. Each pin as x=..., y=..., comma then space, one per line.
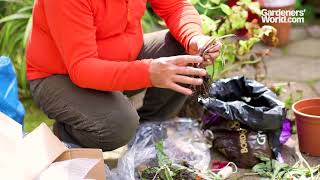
x=74, y=169
x=37, y=151
x=10, y=138
x=10, y=128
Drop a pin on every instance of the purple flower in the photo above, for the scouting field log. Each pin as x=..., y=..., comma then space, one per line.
x=286, y=131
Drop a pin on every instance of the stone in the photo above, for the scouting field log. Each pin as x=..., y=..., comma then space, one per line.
x=275, y=52
x=298, y=33
x=293, y=68
x=290, y=153
x=247, y=71
x=111, y=157
x=306, y=48
x=317, y=87
x=292, y=88
x=314, y=31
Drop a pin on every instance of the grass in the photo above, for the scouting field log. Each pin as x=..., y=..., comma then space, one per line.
x=34, y=116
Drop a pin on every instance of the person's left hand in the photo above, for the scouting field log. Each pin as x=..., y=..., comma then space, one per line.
x=198, y=42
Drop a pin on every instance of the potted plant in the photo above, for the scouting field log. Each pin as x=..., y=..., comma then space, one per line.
x=269, y=7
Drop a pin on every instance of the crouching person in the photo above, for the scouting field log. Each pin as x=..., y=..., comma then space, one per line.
x=84, y=55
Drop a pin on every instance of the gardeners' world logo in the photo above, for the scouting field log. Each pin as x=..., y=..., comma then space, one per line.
x=282, y=16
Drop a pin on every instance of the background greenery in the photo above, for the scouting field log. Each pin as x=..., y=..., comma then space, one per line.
x=218, y=19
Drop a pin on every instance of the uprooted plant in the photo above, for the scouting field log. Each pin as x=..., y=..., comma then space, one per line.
x=244, y=47
x=273, y=169
x=166, y=169
x=219, y=19
x=207, y=80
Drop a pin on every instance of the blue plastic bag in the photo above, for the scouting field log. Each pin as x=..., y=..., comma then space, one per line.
x=9, y=100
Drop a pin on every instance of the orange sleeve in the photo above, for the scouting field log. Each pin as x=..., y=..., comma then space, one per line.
x=181, y=17
x=72, y=28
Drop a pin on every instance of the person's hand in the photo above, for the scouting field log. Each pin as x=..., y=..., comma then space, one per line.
x=196, y=45
x=170, y=72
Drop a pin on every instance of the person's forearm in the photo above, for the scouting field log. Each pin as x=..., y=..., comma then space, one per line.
x=109, y=75
x=181, y=17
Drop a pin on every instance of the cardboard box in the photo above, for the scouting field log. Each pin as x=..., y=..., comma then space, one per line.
x=24, y=158
x=98, y=171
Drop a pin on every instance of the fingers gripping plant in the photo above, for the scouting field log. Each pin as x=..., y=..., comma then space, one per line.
x=219, y=19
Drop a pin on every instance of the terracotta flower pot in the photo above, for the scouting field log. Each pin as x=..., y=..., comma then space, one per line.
x=283, y=29
x=307, y=114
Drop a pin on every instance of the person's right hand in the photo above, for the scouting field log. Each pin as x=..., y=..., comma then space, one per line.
x=169, y=72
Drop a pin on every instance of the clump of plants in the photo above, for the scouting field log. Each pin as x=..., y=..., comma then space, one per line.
x=165, y=169
x=273, y=169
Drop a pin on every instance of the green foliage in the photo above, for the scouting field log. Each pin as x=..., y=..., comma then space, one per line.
x=275, y=170
x=164, y=161
x=291, y=98
x=15, y=26
x=218, y=19
x=167, y=170
x=34, y=116
x=310, y=10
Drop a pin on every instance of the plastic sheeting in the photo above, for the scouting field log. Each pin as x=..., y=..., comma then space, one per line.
x=9, y=101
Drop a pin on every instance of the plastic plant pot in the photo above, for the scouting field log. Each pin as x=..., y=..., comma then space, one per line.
x=307, y=114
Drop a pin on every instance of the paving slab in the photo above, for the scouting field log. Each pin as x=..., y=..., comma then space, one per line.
x=247, y=71
x=314, y=31
x=294, y=68
x=306, y=48
x=290, y=153
x=317, y=87
x=298, y=33
x=275, y=52
x=292, y=87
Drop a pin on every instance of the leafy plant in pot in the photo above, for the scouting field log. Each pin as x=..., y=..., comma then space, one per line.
x=283, y=29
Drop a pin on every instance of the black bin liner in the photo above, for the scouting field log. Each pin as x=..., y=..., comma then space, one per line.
x=249, y=102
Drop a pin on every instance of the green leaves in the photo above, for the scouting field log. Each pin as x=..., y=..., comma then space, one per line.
x=163, y=158
x=255, y=7
x=13, y=17
x=27, y=32
x=15, y=27
x=163, y=161
x=208, y=25
x=226, y=9
x=215, y=1
x=246, y=45
x=238, y=18
x=273, y=169
x=194, y=1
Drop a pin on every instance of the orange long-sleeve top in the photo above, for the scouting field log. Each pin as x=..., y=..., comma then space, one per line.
x=96, y=42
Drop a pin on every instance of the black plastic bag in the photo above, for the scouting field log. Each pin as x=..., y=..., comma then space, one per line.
x=250, y=103
x=236, y=141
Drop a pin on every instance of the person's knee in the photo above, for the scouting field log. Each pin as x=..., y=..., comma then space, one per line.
x=111, y=134
x=123, y=129
x=175, y=47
